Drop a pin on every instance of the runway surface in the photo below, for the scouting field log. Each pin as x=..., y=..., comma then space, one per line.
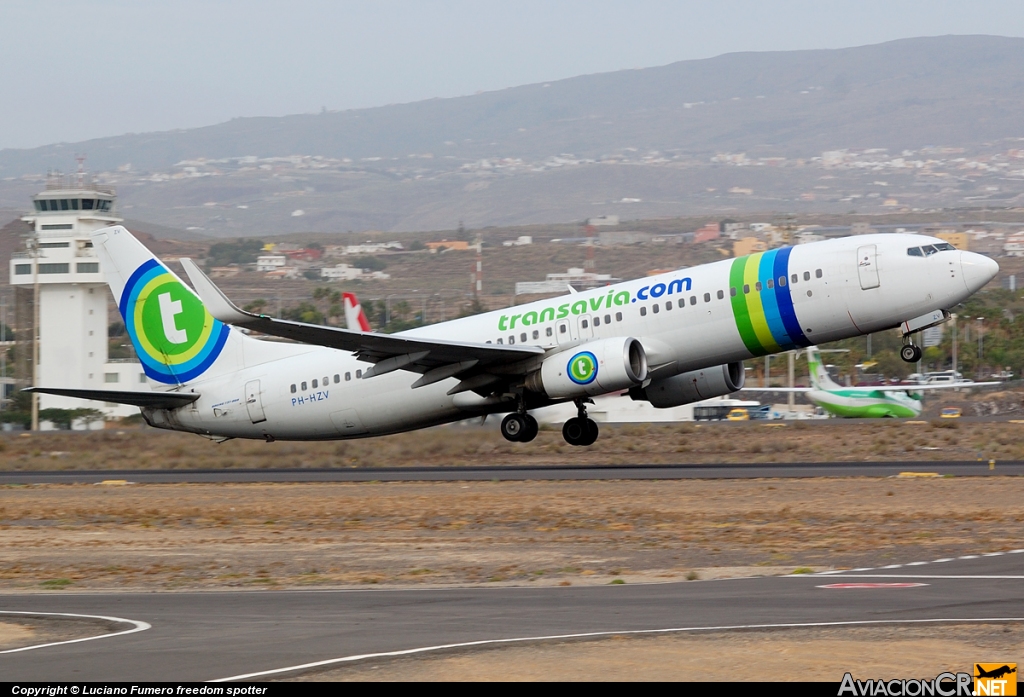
x=213, y=635
x=964, y=468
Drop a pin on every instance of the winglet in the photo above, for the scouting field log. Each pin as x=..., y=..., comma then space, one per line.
x=213, y=298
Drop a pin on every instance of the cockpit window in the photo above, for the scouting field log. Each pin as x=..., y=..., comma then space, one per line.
x=929, y=250
x=914, y=252
x=945, y=247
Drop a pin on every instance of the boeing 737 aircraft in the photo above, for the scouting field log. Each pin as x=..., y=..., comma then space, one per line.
x=670, y=339
x=872, y=401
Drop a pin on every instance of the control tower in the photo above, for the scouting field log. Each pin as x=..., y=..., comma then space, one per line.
x=60, y=265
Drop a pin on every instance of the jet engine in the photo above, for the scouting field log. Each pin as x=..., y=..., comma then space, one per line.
x=693, y=386
x=595, y=367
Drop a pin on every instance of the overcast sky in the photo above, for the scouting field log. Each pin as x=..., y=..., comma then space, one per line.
x=72, y=70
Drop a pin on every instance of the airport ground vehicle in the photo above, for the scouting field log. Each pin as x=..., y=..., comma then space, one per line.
x=670, y=339
x=738, y=414
x=950, y=413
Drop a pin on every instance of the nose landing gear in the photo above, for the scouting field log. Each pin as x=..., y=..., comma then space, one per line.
x=910, y=353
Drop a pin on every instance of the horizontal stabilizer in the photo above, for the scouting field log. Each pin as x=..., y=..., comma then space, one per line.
x=151, y=400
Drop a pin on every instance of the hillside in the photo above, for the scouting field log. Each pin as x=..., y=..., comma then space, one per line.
x=638, y=143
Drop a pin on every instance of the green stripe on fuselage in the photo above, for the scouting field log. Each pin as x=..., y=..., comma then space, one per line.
x=739, y=308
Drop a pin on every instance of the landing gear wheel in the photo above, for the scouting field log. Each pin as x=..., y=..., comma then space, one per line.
x=580, y=431
x=910, y=353
x=513, y=427
x=592, y=432
x=575, y=431
x=530, y=432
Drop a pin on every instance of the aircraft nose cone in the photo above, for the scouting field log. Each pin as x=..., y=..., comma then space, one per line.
x=977, y=270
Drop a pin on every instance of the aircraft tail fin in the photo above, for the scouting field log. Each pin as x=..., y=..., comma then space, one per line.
x=355, y=318
x=175, y=337
x=820, y=379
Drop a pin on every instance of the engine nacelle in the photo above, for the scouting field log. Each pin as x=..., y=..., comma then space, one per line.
x=693, y=386
x=594, y=368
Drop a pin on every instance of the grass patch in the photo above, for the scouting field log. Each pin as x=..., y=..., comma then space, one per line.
x=56, y=583
x=803, y=570
x=692, y=576
x=617, y=582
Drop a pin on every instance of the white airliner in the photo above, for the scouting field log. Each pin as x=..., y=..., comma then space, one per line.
x=670, y=339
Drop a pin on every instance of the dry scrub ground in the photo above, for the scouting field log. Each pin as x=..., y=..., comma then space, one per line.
x=459, y=445
x=406, y=534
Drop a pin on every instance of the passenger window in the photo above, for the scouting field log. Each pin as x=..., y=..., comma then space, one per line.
x=293, y=389
x=536, y=334
x=668, y=304
x=511, y=340
x=348, y=377
x=303, y=387
x=732, y=292
x=607, y=319
x=757, y=286
x=707, y=297
x=782, y=281
x=314, y=384
x=561, y=329
x=721, y=295
x=522, y=337
x=643, y=311
x=817, y=273
x=337, y=378
x=914, y=252
x=693, y=299
x=548, y=331
x=618, y=316
x=501, y=342
x=656, y=308
x=746, y=288
x=584, y=324
x=597, y=321
x=325, y=382
x=359, y=373
x=807, y=275
x=682, y=303
x=794, y=278
x=771, y=284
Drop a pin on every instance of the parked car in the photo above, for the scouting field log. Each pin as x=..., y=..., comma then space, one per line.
x=738, y=414
x=950, y=413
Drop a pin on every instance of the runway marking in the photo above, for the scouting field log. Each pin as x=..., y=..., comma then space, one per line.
x=875, y=586
x=965, y=576
x=586, y=635
x=922, y=563
x=139, y=627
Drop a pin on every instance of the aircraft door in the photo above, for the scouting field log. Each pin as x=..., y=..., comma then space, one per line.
x=565, y=331
x=586, y=326
x=867, y=266
x=254, y=402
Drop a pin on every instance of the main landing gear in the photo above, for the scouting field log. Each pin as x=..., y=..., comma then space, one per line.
x=519, y=428
x=580, y=430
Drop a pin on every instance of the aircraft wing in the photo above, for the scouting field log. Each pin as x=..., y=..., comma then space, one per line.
x=153, y=400
x=436, y=359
